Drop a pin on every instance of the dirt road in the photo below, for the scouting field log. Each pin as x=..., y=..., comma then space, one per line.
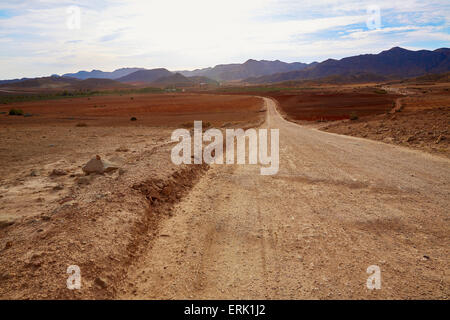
x=337, y=205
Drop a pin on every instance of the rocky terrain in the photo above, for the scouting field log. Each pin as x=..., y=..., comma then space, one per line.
x=426, y=130
x=419, y=120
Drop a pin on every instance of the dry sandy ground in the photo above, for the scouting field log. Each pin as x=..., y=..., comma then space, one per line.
x=426, y=130
x=156, y=110
x=419, y=120
x=155, y=230
x=338, y=205
x=98, y=222
x=32, y=147
x=325, y=104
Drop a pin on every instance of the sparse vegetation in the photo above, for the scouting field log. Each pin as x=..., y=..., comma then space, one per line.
x=256, y=89
x=10, y=98
x=380, y=91
x=353, y=116
x=15, y=112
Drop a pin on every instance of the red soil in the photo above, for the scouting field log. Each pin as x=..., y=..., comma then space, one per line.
x=149, y=109
x=312, y=106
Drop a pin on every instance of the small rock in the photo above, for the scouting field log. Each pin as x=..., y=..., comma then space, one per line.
x=5, y=276
x=6, y=223
x=439, y=139
x=122, y=149
x=58, y=172
x=83, y=181
x=97, y=165
x=58, y=187
x=8, y=245
x=34, y=173
x=100, y=282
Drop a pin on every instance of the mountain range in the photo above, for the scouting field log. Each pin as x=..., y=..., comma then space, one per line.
x=145, y=75
x=98, y=74
x=65, y=83
x=250, y=68
x=395, y=63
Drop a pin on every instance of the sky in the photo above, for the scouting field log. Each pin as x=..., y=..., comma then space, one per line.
x=44, y=37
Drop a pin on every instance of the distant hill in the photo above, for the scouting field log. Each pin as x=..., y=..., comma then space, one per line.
x=149, y=77
x=42, y=83
x=12, y=80
x=96, y=84
x=441, y=77
x=251, y=68
x=203, y=80
x=145, y=75
x=178, y=80
x=394, y=63
x=353, y=78
x=64, y=83
x=98, y=74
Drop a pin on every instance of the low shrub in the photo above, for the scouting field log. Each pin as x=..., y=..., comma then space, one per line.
x=15, y=112
x=187, y=125
x=353, y=116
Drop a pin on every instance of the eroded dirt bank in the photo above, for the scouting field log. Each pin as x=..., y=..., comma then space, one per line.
x=53, y=216
x=101, y=226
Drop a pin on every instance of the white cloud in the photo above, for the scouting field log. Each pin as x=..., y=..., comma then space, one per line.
x=199, y=33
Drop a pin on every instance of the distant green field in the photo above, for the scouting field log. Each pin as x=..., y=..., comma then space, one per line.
x=11, y=98
x=260, y=89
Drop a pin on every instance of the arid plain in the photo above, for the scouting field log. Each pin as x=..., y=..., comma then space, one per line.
x=152, y=229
